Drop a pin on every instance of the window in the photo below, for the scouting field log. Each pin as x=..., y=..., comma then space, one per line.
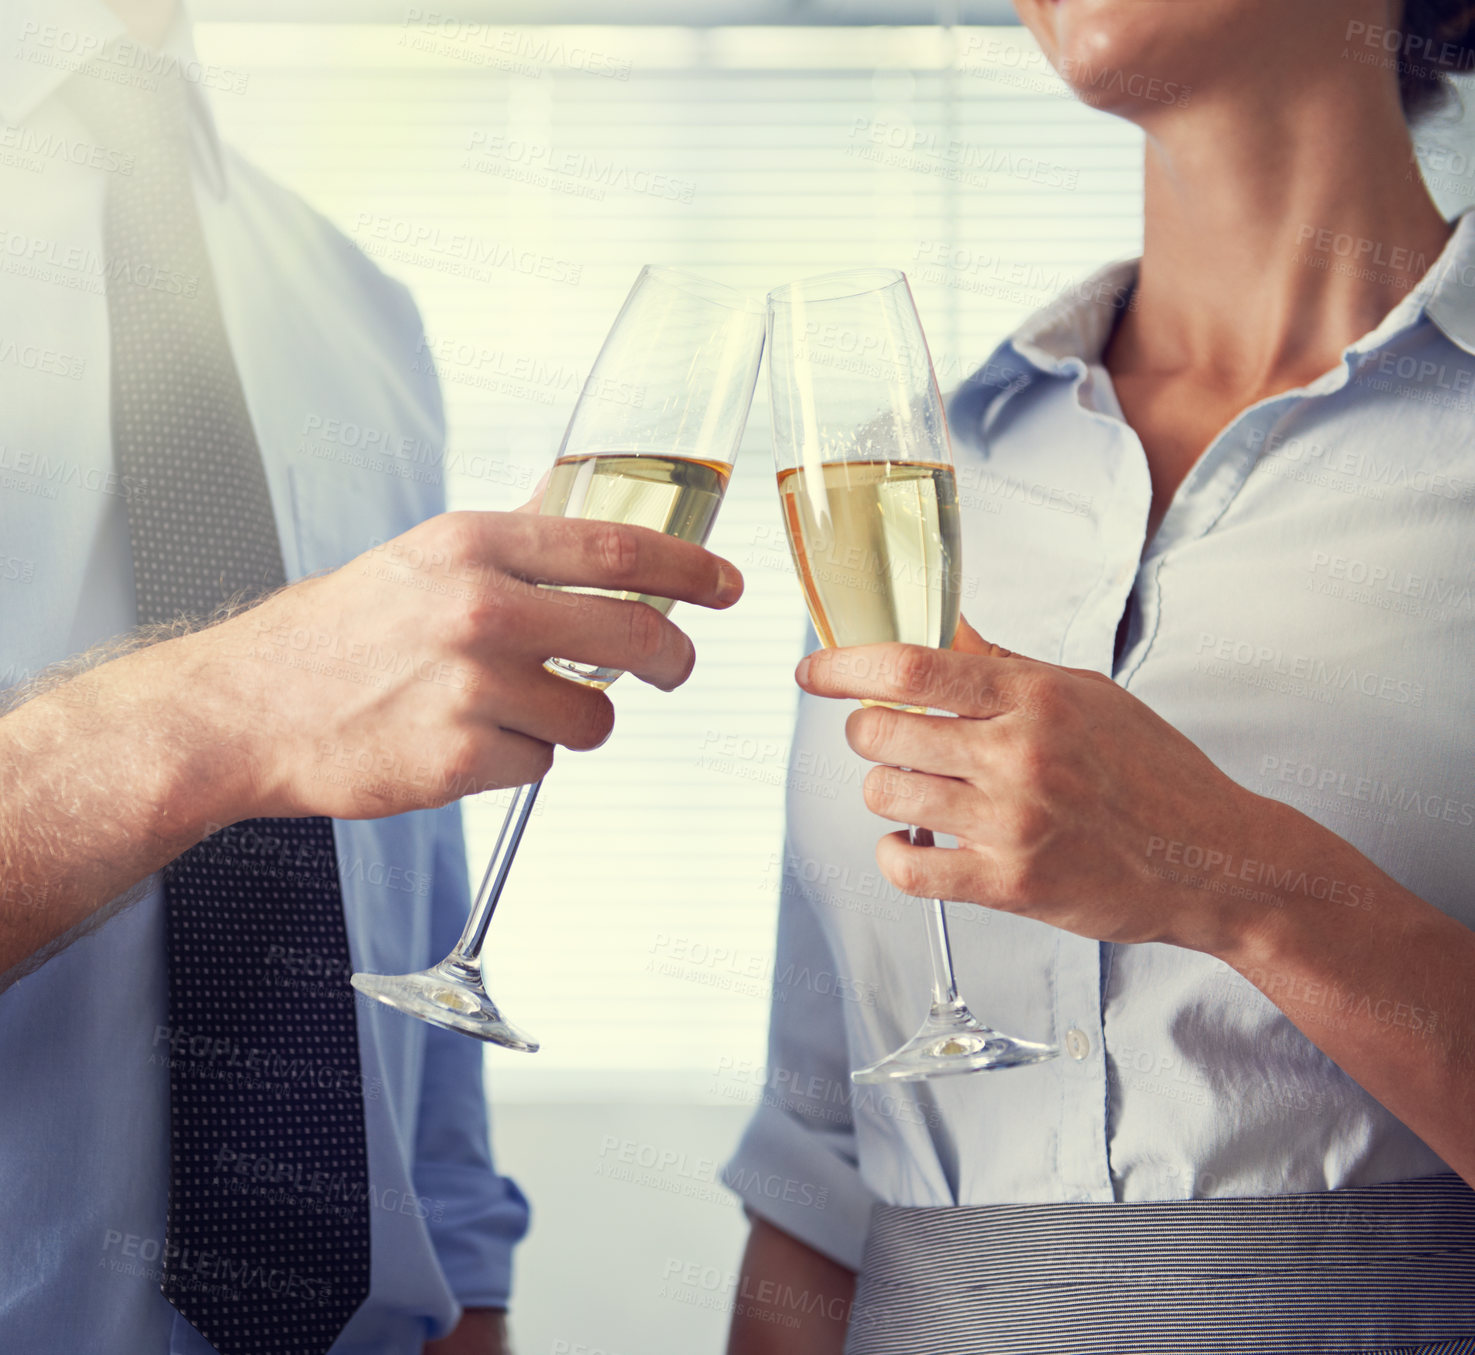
x=517, y=178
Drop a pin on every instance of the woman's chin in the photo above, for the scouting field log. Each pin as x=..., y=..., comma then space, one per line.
x=1125, y=65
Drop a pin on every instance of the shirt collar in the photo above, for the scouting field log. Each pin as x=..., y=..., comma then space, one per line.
x=1061, y=339
x=1446, y=293
x=43, y=41
x=1070, y=333
x=1074, y=328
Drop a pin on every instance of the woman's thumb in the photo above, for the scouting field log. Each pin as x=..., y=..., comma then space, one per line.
x=969, y=641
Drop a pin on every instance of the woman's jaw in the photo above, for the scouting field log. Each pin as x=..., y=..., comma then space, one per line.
x=1148, y=60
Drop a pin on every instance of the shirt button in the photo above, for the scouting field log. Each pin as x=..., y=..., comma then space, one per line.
x=1076, y=1043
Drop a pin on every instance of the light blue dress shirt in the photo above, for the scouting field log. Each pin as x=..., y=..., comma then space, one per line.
x=1306, y=615
x=349, y=421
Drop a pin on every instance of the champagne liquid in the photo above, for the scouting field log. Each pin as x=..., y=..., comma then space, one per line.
x=669, y=494
x=876, y=545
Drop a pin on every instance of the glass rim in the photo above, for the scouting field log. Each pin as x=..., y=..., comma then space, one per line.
x=708, y=289
x=837, y=286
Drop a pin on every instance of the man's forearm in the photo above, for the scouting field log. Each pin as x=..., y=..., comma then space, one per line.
x=107, y=777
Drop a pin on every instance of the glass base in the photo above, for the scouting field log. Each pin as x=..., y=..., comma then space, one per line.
x=446, y=996
x=952, y=1040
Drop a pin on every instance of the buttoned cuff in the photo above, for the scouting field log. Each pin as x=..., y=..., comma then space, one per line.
x=801, y=1180
x=476, y=1219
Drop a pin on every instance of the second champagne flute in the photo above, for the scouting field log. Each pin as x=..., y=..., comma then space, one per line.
x=651, y=443
x=870, y=505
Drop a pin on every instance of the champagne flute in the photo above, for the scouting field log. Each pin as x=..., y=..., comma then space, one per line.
x=870, y=506
x=651, y=442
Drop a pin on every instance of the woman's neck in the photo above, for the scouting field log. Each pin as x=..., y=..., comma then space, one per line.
x=1273, y=241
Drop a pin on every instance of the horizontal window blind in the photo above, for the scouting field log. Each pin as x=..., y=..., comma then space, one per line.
x=517, y=183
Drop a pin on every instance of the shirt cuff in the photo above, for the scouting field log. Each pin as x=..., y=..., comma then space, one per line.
x=476, y=1219
x=789, y=1175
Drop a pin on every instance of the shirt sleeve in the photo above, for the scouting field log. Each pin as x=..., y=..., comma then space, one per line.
x=476, y=1216
x=796, y=1163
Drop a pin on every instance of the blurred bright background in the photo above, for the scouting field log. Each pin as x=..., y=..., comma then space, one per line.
x=516, y=176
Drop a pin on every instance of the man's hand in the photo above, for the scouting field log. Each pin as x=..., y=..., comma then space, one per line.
x=481, y=1331
x=410, y=677
x=414, y=674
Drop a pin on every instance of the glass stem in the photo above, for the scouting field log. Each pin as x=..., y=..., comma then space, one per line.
x=944, y=985
x=467, y=954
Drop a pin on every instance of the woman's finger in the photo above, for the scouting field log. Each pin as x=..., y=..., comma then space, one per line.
x=924, y=743
x=976, y=685
x=929, y=872
x=936, y=802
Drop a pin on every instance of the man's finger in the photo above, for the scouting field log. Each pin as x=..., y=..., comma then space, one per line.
x=585, y=553
x=551, y=710
x=505, y=757
x=553, y=623
x=611, y=633
x=913, y=675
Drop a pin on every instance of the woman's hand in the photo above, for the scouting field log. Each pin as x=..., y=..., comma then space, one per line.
x=1071, y=801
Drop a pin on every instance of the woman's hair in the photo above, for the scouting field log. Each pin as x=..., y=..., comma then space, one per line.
x=1438, y=37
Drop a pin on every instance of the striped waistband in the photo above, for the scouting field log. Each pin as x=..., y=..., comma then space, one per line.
x=1374, y=1270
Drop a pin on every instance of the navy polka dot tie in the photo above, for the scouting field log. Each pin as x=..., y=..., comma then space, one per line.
x=267, y=1239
